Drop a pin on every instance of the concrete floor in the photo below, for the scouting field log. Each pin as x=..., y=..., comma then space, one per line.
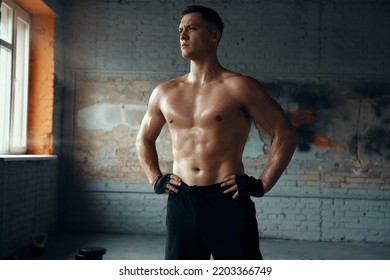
x=64, y=246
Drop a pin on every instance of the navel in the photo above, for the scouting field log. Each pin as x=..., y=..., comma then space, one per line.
x=218, y=118
x=170, y=120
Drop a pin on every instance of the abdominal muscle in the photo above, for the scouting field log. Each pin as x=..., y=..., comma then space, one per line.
x=202, y=158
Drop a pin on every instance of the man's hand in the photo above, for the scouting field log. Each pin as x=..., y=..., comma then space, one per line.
x=244, y=185
x=166, y=184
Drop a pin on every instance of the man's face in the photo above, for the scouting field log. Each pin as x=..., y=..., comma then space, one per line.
x=196, y=37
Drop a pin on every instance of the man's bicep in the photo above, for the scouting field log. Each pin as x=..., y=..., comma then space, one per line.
x=267, y=113
x=151, y=125
x=153, y=120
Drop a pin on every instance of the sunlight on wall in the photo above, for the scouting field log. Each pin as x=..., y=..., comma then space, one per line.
x=41, y=80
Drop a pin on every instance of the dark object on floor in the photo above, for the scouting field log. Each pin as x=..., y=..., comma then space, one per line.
x=39, y=244
x=90, y=253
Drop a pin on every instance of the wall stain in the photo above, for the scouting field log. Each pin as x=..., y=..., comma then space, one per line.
x=315, y=103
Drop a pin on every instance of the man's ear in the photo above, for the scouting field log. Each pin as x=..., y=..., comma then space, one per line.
x=217, y=35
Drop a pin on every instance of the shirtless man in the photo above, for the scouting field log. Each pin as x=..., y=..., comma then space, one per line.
x=209, y=112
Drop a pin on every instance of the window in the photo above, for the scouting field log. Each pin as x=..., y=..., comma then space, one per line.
x=14, y=68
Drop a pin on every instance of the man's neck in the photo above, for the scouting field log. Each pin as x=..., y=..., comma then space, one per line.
x=204, y=71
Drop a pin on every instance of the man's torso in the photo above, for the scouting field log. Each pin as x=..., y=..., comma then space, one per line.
x=209, y=128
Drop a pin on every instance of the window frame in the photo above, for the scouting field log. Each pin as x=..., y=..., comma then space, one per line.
x=16, y=81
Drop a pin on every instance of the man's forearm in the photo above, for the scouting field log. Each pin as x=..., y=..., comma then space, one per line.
x=147, y=155
x=282, y=150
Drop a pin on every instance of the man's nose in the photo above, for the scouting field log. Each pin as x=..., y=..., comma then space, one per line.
x=183, y=35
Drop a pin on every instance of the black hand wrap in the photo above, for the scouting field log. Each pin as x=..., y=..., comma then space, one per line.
x=161, y=183
x=248, y=185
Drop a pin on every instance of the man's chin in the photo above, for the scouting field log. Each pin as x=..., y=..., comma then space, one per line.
x=185, y=55
x=188, y=56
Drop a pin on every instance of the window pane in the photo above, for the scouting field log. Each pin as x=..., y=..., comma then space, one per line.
x=5, y=97
x=20, y=98
x=6, y=23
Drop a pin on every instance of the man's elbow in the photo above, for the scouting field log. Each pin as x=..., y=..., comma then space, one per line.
x=289, y=135
x=142, y=143
x=139, y=144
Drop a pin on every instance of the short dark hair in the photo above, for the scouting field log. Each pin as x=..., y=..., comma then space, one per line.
x=208, y=14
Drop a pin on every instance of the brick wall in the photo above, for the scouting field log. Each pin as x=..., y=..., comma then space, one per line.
x=29, y=187
x=324, y=62
x=29, y=201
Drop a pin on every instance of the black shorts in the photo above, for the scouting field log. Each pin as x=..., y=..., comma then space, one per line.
x=203, y=221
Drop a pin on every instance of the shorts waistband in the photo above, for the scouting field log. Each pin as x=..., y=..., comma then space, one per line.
x=202, y=189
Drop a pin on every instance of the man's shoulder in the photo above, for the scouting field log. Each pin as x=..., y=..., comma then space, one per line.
x=170, y=84
x=241, y=81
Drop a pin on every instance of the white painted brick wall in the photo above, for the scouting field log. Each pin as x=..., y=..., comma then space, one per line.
x=293, y=217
